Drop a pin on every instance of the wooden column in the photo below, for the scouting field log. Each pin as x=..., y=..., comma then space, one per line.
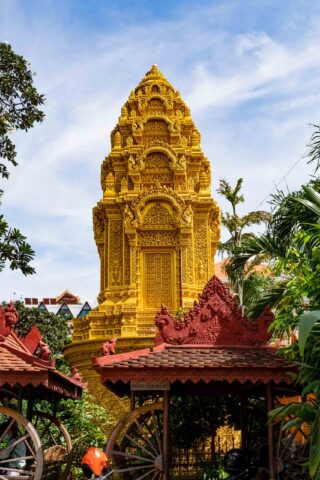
x=269, y=395
x=243, y=420
x=166, y=433
x=132, y=401
x=30, y=407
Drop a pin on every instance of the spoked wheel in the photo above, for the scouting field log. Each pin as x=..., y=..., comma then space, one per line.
x=56, y=444
x=135, y=445
x=20, y=447
x=292, y=454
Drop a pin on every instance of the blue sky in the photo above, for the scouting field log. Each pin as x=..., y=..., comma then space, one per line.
x=249, y=70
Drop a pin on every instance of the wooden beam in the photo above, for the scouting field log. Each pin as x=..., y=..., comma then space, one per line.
x=166, y=434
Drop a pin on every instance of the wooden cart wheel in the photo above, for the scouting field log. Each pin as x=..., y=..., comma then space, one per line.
x=56, y=445
x=292, y=454
x=135, y=445
x=24, y=448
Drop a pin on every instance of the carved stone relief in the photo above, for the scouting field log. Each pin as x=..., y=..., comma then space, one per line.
x=158, y=216
x=200, y=236
x=115, y=254
x=156, y=238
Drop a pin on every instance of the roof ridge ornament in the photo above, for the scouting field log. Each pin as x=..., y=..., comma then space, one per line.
x=215, y=320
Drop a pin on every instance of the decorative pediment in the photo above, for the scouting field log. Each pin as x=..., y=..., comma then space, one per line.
x=158, y=193
x=215, y=320
x=158, y=216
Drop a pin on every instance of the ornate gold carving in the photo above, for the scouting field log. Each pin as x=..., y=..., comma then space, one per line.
x=99, y=222
x=115, y=254
x=155, y=162
x=195, y=138
x=129, y=142
x=117, y=140
x=124, y=112
x=110, y=184
x=133, y=265
x=158, y=279
x=133, y=165
x=154, y=178
x=156, y=106
x=157, y=238
x=191, y=184
x=190, y=276
x=158, y=216
x=201, y=239
x=137, y=127
x=129, y=217
x=155, y=193
x=184, y=265
x=124, y=184
x=187, y=216
x=157, y=129
x=214, y=224
x=201, y=273
x=126, y=261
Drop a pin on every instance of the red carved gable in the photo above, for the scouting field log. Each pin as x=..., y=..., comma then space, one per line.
x=215, y=320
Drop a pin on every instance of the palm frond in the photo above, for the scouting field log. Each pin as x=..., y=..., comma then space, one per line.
x=265, y=246
x=271, y=298
x=255, y=218
x=314, y=148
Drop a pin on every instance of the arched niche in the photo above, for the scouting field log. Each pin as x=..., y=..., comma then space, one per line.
x=156, y=105
x=159, y=215
x=157, y=128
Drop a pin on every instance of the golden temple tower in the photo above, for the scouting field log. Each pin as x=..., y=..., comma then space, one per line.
x=156, y=227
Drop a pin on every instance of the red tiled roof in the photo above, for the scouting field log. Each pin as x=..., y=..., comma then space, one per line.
x=20, y=367
x=196, y=363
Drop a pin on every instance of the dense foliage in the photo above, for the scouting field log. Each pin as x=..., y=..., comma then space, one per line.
x=19, y=110
x=87, y=424
x=291, y=244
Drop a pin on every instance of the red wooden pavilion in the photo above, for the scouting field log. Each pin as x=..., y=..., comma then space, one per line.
x=213, y=350
x=28, y=374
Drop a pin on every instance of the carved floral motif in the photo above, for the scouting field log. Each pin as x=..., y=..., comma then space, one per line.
x=158, y=238
x=158, y=216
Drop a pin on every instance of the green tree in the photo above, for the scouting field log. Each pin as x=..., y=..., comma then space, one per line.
x=246, y=284
x=54, y=329
x=19, y=110
x=19, y=102
x=14, y=249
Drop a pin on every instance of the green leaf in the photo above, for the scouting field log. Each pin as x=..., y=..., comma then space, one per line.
x=280, y=413
x=293, y=422
x=312, y=387
x=314, y=456
x=306, y=323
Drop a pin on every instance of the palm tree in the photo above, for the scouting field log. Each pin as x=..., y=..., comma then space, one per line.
x=246, y=284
